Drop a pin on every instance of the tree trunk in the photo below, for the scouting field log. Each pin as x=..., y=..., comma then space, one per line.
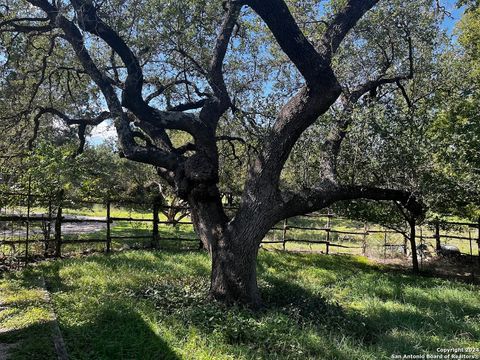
x=234, y=273
x=413, y=245
x=438, y=245
x=233, y=250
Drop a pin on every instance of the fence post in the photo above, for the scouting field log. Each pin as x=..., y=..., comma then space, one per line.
x=284, y=233
x=327, y=229
x=58, y=231
x=364, y=244
x=27, y=233
x=478, y=240
x=48, y=228
x=437, y=234
x=413, y=222
x=385, y=244
x=109, y=235
x=421, y=247
x=155, y=235
x=470, y=240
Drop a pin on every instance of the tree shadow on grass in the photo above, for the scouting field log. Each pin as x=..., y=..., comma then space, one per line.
x=108, y=327
x=115, y=332
x=307, y=308
x=295, y=324
x=30, y=342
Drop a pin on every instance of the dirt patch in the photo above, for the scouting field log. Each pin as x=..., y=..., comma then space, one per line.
x=72, y=224
x=463, y=268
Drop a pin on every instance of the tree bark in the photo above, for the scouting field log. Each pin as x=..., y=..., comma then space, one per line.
x=233, y=253
x=413, y=245
x=234, y=273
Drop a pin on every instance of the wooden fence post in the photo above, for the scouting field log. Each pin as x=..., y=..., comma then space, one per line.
x=58, y=231
x=48, y=228
x=471, y=247
x=421, y=247
x=327, y=229
x=109, y=235
x=364, y=244
x=437, y=234
x=478, y=240
x=27, y=233
x=385, y=244
x=284, y=233
x=413, y=245
x=156, y=220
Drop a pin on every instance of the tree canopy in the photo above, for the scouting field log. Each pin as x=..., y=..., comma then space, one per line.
x=294, y=105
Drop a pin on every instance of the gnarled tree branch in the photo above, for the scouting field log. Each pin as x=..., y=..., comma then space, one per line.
x=314, y=199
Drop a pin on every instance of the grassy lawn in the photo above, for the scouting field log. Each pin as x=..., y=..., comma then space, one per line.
x=25, y=317
x=152, y=305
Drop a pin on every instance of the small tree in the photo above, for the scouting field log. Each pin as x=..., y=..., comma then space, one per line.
x=390, y=215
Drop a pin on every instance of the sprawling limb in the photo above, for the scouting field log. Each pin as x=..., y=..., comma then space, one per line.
x=26, y=25
x=343, y=22
x=131, y=149
x=302, y=110
x=314, y=199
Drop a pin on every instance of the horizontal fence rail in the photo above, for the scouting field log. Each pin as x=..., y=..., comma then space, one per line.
x=28, y=227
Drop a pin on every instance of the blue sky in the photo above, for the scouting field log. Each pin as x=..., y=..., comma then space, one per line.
x=449, y=23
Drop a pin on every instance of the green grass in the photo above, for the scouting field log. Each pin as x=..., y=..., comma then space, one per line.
x=25, y=316
x=98, y=210
x=152, y=305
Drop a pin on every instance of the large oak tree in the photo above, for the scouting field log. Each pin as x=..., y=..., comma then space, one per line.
x=156, y=69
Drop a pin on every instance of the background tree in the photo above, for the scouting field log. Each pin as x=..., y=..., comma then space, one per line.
x=98, y=174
